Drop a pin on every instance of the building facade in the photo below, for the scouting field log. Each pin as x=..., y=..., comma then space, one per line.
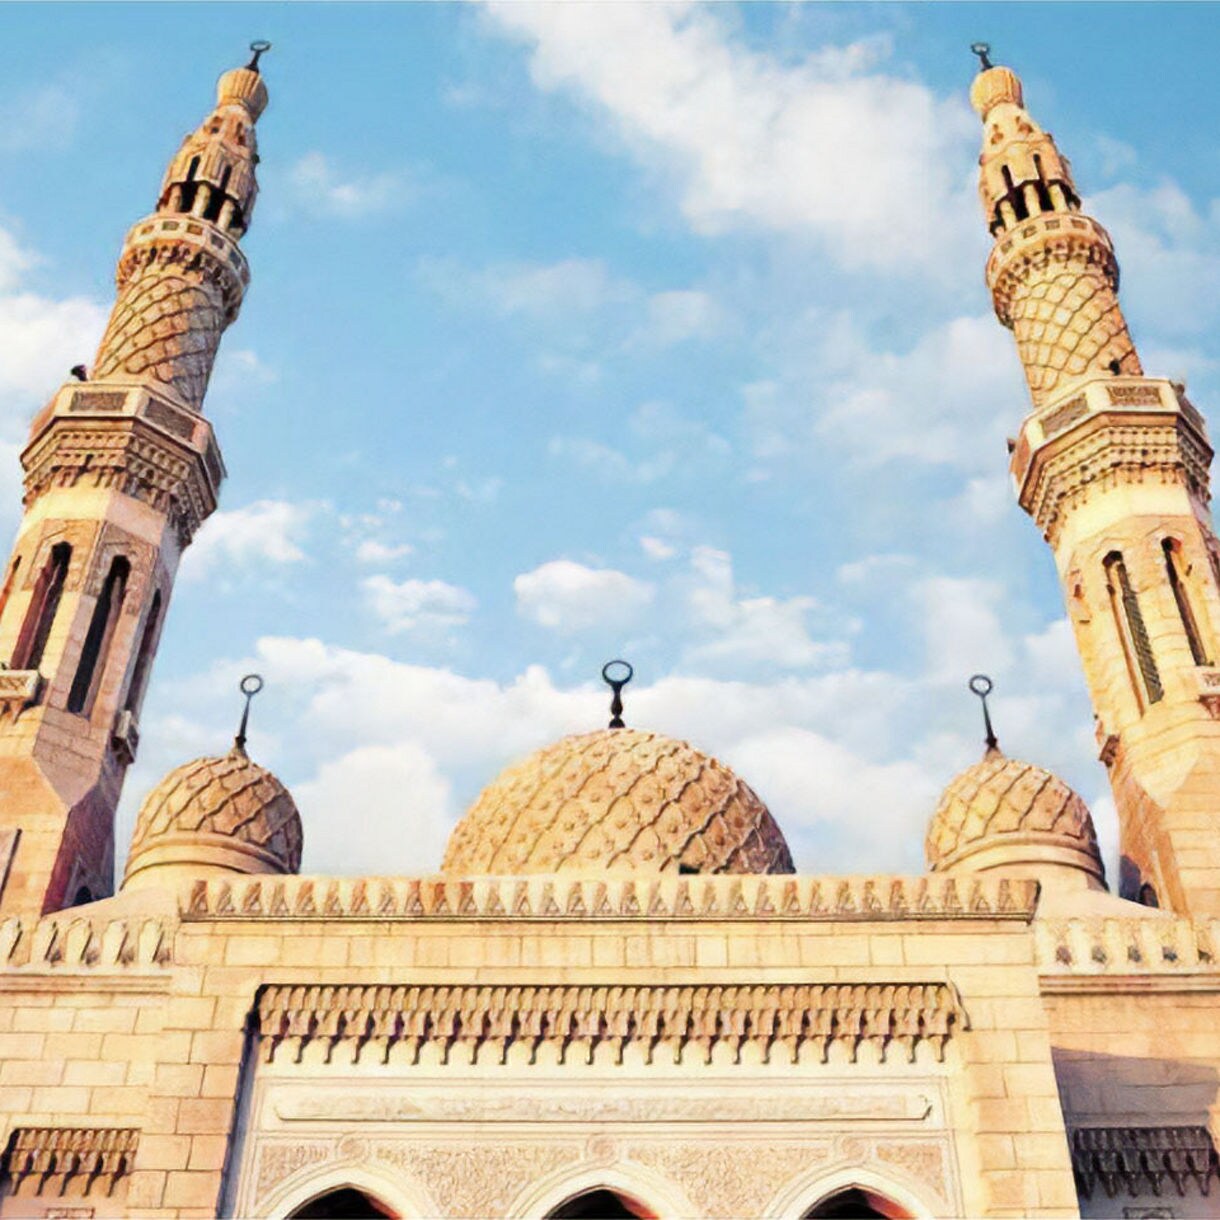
x=617, y=998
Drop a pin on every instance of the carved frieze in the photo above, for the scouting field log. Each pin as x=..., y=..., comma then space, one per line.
x=837, y=899
x=1143, y=1160
x=787, y=1022
x=63, y=1160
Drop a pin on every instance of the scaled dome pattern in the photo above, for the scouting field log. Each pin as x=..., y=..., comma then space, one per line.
x=617, y=799
x=1000, y=797
x=219, y=810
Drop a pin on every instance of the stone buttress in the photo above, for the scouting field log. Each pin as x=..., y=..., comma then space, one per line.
x=120, y=471
x=1113, y=467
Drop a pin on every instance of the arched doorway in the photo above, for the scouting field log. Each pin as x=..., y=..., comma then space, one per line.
x=346, y=1203
x=855, y=1202
x=601, y=1204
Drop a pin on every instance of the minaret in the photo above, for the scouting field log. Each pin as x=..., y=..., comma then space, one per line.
x=120, y=471
x=1113, y=467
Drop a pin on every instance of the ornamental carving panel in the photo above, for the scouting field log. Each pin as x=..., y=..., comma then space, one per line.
x=777, y=1022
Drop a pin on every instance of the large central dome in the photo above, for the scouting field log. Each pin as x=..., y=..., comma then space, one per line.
x=617, y=799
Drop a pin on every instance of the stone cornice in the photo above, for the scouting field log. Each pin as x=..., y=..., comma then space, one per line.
x=471, y=1024
x=615, y=897
x=97, y=1157
x=1143, y=1160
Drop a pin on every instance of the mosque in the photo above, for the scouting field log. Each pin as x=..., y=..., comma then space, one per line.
x=616, y=999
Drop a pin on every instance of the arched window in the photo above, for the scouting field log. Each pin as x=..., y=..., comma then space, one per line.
x=97, y=640
x=855, y=1201
x=48, y=589
x=346, y=1203
x=144, y=659
x=1147, y=896
x=1133, y=634
x=1175, y=570
x=601, y=1204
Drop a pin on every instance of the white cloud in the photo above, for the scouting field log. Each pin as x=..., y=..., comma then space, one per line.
x=418, y=605
x=749, y=631
x=560, y=290
x=392, y=792
x=826, y=796
x=372, y=550
x=948, y=400
x=963, y=634
x=265, y=532
x=678, y=315
x=41, y=338
x=656, y=548
x=1170, y=253
x=828, y=147
x=320, y=188
x=570, y=597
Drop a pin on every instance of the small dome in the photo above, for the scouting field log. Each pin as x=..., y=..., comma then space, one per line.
x=1002, y=813
x=216, y=813
x=244, y=86
x=993, y=86
x=617, y=799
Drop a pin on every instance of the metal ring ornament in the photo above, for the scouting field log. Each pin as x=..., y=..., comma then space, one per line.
x=260, y=46
x=251, y=684
x=617, y=682
x=981, y=685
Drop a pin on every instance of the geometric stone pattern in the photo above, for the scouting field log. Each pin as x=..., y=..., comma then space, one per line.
x=999, y=796
x=1141, y=1160
x=166, y=327
x=617, y=799
x=230, y=798
x=789, y=1023
x=1067, y=320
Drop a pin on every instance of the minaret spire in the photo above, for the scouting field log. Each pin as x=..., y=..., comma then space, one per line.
x=1113, y=467
x=120, y=471
x=1053, y=275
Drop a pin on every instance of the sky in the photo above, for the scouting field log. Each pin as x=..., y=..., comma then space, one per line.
x=580, y=331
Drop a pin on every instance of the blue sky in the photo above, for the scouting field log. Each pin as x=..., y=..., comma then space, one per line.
x=591, y=330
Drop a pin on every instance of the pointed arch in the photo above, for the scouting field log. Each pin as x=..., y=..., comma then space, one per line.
x=855, y=1201
x=633, y=1185
x=342, y=1203
x=44, y=603
x=601, y=1204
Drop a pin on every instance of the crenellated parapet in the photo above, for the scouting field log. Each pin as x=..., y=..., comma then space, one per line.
x=618, y=897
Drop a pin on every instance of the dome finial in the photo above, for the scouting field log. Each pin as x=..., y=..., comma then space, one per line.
x=616, y=684
x=983, y=51
x=982, y=686
x=260, y=46
x=250, y=685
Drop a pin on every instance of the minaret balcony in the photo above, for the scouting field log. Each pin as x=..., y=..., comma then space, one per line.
x=1104, y=429
x=136, y=438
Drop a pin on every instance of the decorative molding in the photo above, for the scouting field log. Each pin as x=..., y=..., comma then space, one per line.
x=70, y=941
x=68, y=1160
x=1127, y=947
x=1143, y=1160
x=356, y=1103
x=622, y=897
x=790, y=1020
